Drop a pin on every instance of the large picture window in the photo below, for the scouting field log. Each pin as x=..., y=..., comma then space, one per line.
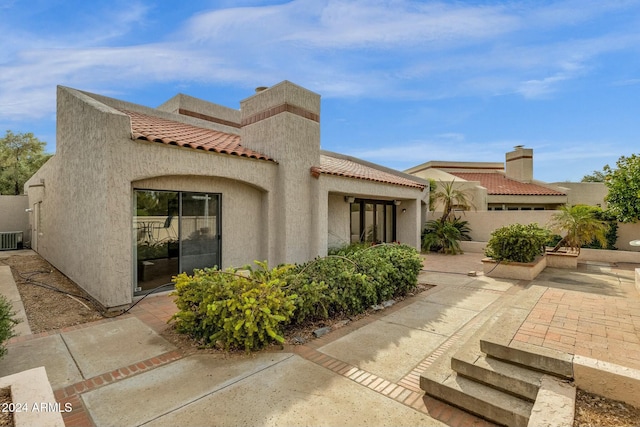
x=174, y=232
x=373, y=221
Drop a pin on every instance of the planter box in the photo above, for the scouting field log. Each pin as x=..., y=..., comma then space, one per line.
x=514, y=270
x=32, y=388
x=562, y=259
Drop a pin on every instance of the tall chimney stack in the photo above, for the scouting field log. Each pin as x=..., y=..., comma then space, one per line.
x=519, y=164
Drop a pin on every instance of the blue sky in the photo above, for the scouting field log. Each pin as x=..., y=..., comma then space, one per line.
x=402, y=82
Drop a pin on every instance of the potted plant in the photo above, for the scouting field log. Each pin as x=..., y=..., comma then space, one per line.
x=516, y=251
x=580, y=226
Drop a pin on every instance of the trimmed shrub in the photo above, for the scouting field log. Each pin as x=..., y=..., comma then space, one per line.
x=517, y=243
x=233, y=310
x=345, y=289
x=394, y=268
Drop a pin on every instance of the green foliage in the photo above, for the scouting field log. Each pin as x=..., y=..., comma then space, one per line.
x=445, y=236
x=623, y=183
x=147, y=251
x=581, y=226
x=247, y=311
x=352, y=279
x=21, y=155
x=344, y=288
x=7, y=322
x=451, y=197
x=611, y=232
x=517, y=242
x=596, y=176
x=235, y=311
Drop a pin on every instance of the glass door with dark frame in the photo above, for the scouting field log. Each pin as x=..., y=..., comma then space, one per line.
x=373, y=221
x=174, y=232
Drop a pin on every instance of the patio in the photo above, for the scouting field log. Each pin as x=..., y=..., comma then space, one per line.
x=375, y=362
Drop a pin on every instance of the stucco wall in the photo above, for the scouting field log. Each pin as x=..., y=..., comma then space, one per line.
x=13, y=216
x=242, y=218
x=409, y=223
x=483, y=223
x=585, y=193
x=293, y=138
x=339, y=225
x=87, y=207
x=272, y=211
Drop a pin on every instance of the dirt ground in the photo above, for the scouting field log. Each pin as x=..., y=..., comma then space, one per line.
x=52, y=301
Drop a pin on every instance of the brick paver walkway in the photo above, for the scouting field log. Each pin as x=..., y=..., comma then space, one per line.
x=601, y=326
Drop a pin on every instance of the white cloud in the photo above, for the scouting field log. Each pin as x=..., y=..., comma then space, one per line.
x=370, y=48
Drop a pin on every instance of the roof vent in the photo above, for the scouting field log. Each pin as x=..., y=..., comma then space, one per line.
x=517, y=147
x=261, y=88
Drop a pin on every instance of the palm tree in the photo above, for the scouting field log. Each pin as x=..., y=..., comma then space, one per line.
x=445, y=236
x=581, y=226
x=451, y=197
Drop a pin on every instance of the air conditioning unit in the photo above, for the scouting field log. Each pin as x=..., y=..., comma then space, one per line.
x=10, y=240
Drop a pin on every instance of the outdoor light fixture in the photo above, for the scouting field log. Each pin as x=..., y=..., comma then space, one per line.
x=635, y=243
x=349, y=199
x=28, y=210
x=397, y=202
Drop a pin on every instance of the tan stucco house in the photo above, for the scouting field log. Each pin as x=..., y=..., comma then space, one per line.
x=497, y=186
x=135, y=195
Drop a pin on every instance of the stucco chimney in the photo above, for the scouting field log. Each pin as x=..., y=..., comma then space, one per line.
x=519, y=164
x=283, y=122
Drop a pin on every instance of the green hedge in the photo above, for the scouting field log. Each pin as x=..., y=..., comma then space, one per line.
x=249, y=310
x=231, y=309
x=517, y=242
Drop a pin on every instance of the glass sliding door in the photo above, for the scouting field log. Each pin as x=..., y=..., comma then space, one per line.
x=174, y=232
x=373, y=221
x=200, y=236
x=156, y=233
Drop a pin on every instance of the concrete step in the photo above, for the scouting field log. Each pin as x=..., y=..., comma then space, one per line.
x=503, y=376
x=479, y=399
x=541, y=359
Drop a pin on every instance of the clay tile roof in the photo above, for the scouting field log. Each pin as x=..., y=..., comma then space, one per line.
x=498, y=184
x=156, y=129
x=350, y=169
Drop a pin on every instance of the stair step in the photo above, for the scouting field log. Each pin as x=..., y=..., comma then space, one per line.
x=482, y=400
x=542, y=359
x=512, y=379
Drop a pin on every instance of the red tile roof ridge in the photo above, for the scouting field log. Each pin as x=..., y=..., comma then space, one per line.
x=170, y=132
x=497, y=183
x=349, y=167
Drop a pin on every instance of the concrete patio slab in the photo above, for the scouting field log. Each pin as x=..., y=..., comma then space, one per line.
x=379, y=345
x=153, y=394
x=9, y=289
x=50, y=352
x=438, y=278
x=108, y=346
x=470, y=299
x=431, y=317
x=295, y=392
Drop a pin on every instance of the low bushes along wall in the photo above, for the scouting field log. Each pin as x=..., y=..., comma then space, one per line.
x=248, y=308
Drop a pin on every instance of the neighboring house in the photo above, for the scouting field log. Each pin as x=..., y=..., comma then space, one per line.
x=495, y=186
x=135, y=195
